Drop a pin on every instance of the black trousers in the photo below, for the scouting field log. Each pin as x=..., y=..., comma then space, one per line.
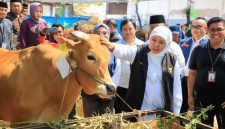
x=216, y=111
x=122, y=92
x=93, y=105
x=184, y=107
x=220, y=117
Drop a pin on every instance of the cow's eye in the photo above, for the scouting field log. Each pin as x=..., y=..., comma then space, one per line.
x=91, y=57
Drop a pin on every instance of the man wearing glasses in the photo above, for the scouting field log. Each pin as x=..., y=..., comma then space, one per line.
x=198, y=31
x=207, y=74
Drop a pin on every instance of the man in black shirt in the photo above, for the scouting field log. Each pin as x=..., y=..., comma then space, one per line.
x=207, y=73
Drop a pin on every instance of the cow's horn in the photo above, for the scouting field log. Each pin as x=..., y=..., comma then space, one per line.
x=80, y=35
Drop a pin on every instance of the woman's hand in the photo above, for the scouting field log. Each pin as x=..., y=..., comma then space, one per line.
x=107, y=43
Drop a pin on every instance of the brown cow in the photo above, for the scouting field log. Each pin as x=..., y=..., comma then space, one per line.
x=32, y=89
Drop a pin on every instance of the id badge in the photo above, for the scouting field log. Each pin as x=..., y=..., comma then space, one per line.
x=4, y=45
x=211, y=76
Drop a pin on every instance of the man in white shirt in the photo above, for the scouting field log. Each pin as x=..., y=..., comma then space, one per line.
x=128, y=29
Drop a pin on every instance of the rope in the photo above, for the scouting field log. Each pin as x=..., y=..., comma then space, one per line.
x=124, y=102
x=91, y=76
x=64, y=94
x=133, y=110
x=74, y=66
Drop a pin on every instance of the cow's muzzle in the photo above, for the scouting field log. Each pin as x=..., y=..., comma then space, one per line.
x=110, y=89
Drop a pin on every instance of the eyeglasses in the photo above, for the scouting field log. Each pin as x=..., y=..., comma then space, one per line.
x=196, y=27
x=102, y=33
x=214, y=30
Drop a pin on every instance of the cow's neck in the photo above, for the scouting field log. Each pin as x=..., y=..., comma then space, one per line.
x=73, y=64
x=71, y=59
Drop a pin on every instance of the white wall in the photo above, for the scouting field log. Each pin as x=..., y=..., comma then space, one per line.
x=174, y=9
x=171, y=9
x=47, y=10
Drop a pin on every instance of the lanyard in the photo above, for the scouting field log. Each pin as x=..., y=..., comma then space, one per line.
x=213, y=62
x=2, y=29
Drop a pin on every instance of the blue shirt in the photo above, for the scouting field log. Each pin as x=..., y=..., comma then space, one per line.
x=112, y=65
x=5, y=33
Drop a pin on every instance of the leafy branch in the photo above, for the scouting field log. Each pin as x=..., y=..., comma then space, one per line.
x=195, y=117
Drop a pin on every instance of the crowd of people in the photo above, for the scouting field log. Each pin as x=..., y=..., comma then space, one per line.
x=166, y=73
x=179, y=68
x=19, y=32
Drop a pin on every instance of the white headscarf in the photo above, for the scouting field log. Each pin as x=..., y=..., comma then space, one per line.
x=165, y=33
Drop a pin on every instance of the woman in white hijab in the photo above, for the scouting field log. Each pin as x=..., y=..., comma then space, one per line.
x=155, y=76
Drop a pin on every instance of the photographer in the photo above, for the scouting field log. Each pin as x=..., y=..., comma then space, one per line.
x=55, y=30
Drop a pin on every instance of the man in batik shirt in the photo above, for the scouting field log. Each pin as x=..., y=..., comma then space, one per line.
x=16, y=18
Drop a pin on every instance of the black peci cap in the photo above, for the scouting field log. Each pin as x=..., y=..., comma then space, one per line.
x=157, y=19
x=3, y=4
x=25, y=6
x=11, y=1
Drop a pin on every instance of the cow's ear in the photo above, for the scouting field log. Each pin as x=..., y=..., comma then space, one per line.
x=70, y=43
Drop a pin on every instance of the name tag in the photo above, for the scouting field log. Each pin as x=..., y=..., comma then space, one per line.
x=211, y=76
x=63, y=67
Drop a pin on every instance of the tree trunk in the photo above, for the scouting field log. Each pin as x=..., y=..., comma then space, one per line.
x=138, y=16
x=188, y=16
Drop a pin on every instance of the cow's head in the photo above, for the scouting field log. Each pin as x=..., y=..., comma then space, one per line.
x=92, y=60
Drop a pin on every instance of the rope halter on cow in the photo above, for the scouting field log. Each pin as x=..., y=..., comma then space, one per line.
x=73, y=64
x=74, y=67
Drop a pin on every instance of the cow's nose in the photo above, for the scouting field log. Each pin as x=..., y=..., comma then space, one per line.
x=110, y=89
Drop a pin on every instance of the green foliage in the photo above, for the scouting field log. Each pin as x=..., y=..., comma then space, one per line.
x=194, y=117
x=110, y=121
x=59, y=11
x=159, y=123
x=197, y=116
x=188, y=14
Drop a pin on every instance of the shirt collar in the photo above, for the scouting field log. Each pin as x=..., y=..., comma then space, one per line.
x=198, y=40
x=223, y=46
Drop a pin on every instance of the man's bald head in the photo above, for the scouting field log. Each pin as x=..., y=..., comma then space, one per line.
x=199, y=28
